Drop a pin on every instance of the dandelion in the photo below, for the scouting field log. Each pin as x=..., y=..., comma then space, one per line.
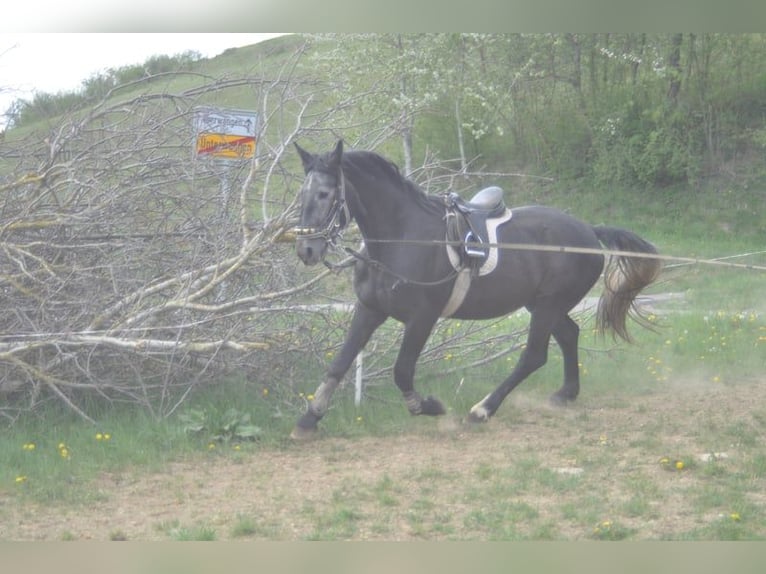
x=672, y=464
x=210, y=445
x=603, y=528
x=359, y=419
x=64, y=451
x=265, y=392
x=309, y=397
x=28, y=446
x=21, y=479
x=735, y=516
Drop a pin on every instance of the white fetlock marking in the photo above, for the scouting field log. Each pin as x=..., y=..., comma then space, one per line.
x=321, y=399
x=479, y=411
x=414, y=401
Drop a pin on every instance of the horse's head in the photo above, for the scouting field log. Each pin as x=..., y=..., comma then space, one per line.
x=324, y=213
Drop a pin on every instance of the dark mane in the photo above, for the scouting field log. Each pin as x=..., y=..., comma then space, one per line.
x=366, y=162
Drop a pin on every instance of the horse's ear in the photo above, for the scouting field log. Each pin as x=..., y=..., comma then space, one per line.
x=306, y=158
x=336, y=155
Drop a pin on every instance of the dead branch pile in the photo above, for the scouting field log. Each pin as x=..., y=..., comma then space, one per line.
x=133, y=271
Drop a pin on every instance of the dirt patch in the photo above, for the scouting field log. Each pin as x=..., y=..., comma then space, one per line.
x=531, y=472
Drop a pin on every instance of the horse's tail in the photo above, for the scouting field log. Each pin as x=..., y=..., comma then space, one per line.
x=624, y=278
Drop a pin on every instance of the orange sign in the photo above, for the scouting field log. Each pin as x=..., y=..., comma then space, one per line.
x=226, y=146
x=224, y=133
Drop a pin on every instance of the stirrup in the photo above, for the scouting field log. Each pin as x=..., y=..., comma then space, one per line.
x=474, y=251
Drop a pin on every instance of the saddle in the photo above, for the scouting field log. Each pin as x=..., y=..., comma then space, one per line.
x=467, y=223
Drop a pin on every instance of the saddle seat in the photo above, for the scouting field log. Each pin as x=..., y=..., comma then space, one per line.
x=489, y=202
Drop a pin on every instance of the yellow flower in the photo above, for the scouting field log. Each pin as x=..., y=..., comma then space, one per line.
x=211, y=446
x=603, y=527
x=28, y=446
x=99, y=436
x=64, y=452
x=679, y=465
x=735, y=516
x=359, y=419
x=310, y=397
x=21, y=479
x=265, y=392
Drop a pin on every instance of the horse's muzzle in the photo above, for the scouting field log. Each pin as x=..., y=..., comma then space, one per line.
x=311, y=250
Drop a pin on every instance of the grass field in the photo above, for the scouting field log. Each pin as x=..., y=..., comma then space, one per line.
x=665, y=442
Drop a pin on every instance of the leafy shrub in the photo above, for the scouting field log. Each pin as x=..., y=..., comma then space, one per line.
x=232, y=426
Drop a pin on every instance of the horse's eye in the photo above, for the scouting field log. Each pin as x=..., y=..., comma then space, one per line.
x=323, y=194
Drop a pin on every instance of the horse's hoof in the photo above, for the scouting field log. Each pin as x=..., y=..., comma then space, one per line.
x=478, y=414
x=306, y=427
x=558, y=400
x=303, y=434
x=475, y=419
x=432, y=407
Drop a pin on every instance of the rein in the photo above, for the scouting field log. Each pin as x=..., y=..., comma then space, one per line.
x=400, y=279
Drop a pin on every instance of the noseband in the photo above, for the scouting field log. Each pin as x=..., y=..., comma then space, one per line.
x=336, y=222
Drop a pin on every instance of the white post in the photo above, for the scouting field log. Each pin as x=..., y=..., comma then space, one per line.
x=359, y=383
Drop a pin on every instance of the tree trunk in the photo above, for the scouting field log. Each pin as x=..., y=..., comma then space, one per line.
x=460, y=140
x=674, y=63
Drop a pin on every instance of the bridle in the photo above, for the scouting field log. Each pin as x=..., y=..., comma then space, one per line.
x=336, y=221
x=335, y=224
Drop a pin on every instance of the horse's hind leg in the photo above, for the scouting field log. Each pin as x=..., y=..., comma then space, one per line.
x=566, y=332
x=534, y=356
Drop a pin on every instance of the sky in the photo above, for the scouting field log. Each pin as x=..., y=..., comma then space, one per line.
x=60, y=62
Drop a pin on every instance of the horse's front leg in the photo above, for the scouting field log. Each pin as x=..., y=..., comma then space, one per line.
x=363, y=325
x=416, y=333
